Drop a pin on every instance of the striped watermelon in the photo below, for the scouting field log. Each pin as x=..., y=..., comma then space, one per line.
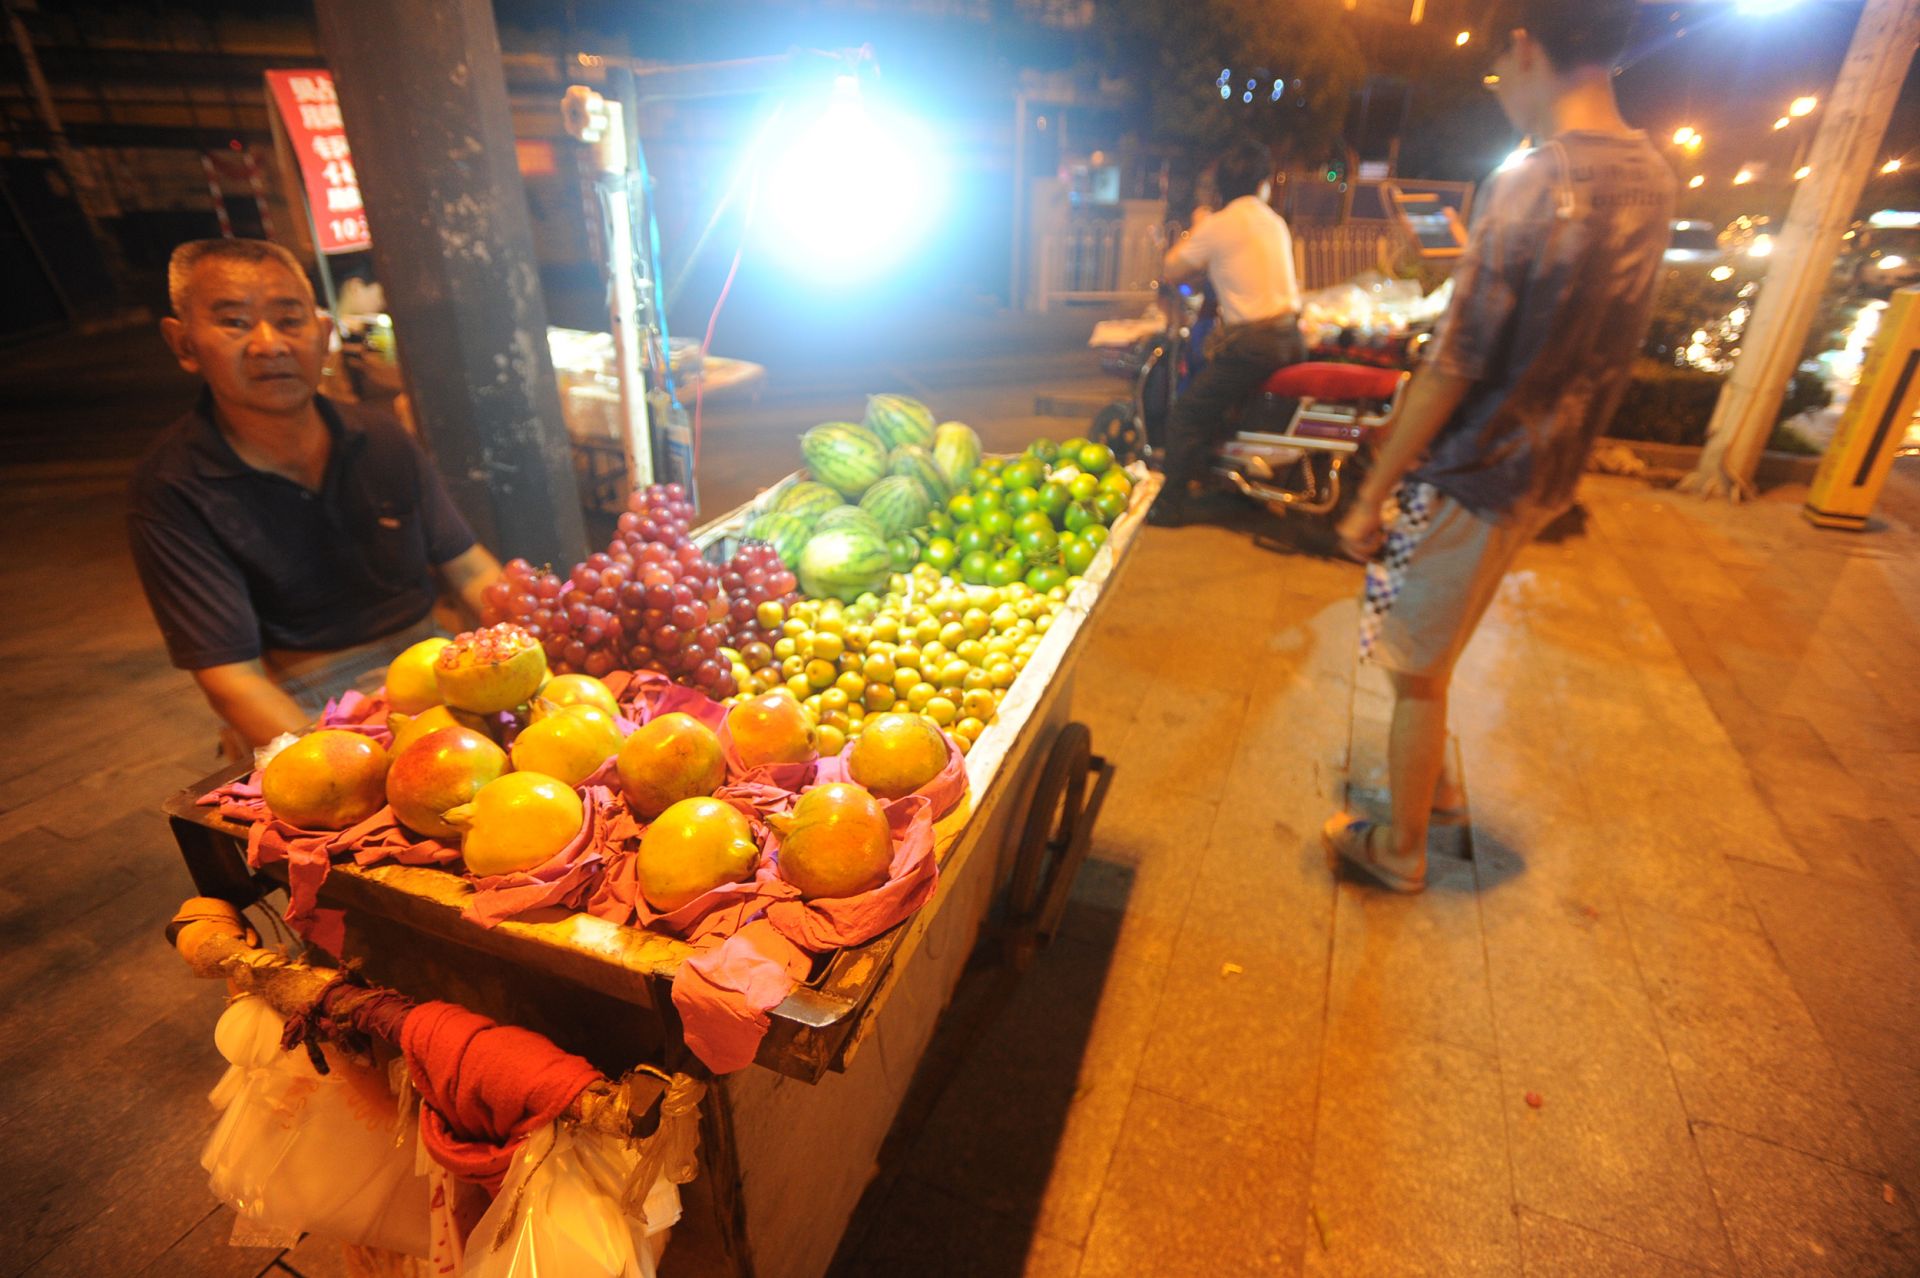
x=786, y=533
x=899, y=420
x=844, y=563
x=845, y=457
x=917, y=463
x=898, y=502
x=807, y=501
x=956, y=451
x=850, y=517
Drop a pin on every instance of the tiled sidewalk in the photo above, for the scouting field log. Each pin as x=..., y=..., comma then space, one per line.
x=1667, y=1022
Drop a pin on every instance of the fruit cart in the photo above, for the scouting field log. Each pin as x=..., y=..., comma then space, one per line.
x=789, y=1144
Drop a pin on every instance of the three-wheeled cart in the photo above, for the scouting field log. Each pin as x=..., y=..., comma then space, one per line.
x=789, y=1144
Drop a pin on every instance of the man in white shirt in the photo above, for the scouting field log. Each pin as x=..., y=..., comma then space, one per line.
x=1246, y=252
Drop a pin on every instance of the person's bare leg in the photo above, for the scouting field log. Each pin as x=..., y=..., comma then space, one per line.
x=1416, y=754
x=1450, y=792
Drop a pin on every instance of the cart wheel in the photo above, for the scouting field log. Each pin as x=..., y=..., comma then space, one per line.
x=1115, y=427
x=1054, y=841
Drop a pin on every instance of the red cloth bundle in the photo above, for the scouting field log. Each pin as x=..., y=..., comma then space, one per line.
x=484, y=1087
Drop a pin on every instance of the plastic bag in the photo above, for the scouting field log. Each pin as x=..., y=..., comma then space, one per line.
x=299, y=1152
x=558, y=1214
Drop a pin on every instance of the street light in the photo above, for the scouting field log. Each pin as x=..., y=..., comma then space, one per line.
x=1697, y=181
x=1781, y=123
x=1802, y=107
x=1460, y=41
x=1890, y=167
x=1800, y=174
x=1685, y=134
x=1743, y=177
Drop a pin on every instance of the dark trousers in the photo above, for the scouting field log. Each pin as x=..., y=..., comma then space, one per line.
x=1204, y=415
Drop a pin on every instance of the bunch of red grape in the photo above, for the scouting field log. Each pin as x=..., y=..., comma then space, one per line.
x=649, y=601
x=753, y=577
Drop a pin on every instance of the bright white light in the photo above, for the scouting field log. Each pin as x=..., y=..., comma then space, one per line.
x=1743, y=177
x=1460, y=41
x=1782, y=123
x=1894, y=218
x=1514, y=158
x=1802, y=107
x=1762, y=246
x=852, y=192
x=1722, y=274
x=1697, y=181
x=1761, y=8
x=1891, y=166
x=1892, y=262
x=1684, y=135
x=1800, y=174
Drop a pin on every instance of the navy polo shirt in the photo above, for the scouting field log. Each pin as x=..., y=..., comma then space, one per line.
x=237, y=562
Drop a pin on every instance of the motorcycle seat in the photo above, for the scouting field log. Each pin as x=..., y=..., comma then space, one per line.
x=1338, y=383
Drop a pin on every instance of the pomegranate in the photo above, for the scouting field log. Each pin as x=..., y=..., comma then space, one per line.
x=517, y=822
x=411, y=686
x=773, y=728
x=491, y=670
x=896, y=754
x=441, y=770
x=836, y=842
x=574, y=690
x=671, y=758
x=692, y=848
x=570, y=744
x=327, y=780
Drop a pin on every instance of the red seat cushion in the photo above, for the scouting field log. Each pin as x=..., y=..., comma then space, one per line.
x=1339, y=382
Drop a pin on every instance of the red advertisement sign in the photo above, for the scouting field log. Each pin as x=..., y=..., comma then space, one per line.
x=310, y=111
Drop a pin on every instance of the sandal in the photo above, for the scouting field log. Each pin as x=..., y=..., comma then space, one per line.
x=1349, y=840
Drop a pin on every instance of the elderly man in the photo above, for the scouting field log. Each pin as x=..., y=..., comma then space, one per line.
x=287, y=544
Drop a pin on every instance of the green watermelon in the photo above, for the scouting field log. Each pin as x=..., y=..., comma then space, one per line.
x=844, y=563
x=807, y=501
x=898, y=502
x=956, y=451
x=845, y=457
x=916, y=462
x=786, y=533
x=849, y=517
x=899, y=420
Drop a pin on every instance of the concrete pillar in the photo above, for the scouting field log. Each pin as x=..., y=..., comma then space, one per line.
x=425, y=104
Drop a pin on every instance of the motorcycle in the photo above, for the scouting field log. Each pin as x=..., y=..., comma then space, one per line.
x=1300, y=443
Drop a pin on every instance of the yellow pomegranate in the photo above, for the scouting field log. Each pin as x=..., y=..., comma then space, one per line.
x=692, y=848
x=574, y=690
x=516, y=822
x=896, y=754
x=569, y=744
x=836, y=842
x=770, y=729
x=487, y=671
x=411, y=686
x=409, y=728
x=327, y=780
x=668, y=759
x=441, y=770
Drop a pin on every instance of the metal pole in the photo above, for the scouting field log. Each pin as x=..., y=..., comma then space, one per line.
x=425, y=102
x=1844, y=152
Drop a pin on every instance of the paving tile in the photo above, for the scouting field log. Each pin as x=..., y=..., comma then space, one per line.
x=1849, y=957
x=1745, y=1052
x=206, y=1251
x=1184, y=738
x=1552, y=1248
x=1789, y=1213
x=1409, y=1133
x=1413, y=966
x=1028, y=1125
x=1889, y=1095
x=1191, y=1192
x=926, y=1231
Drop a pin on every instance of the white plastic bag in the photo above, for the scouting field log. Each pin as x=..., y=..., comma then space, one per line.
x=558, y=1213
x=301, y=1152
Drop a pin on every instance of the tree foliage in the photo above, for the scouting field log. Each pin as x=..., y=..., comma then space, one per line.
x=1174, y=51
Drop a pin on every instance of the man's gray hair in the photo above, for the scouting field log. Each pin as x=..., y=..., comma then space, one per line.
x=188, y=256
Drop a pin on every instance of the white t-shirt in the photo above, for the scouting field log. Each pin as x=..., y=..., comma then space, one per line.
x=1247, y=252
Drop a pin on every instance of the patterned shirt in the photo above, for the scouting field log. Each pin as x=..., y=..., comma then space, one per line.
x=1551, y=305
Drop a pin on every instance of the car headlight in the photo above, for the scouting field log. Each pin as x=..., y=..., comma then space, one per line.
x=1892, y=262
